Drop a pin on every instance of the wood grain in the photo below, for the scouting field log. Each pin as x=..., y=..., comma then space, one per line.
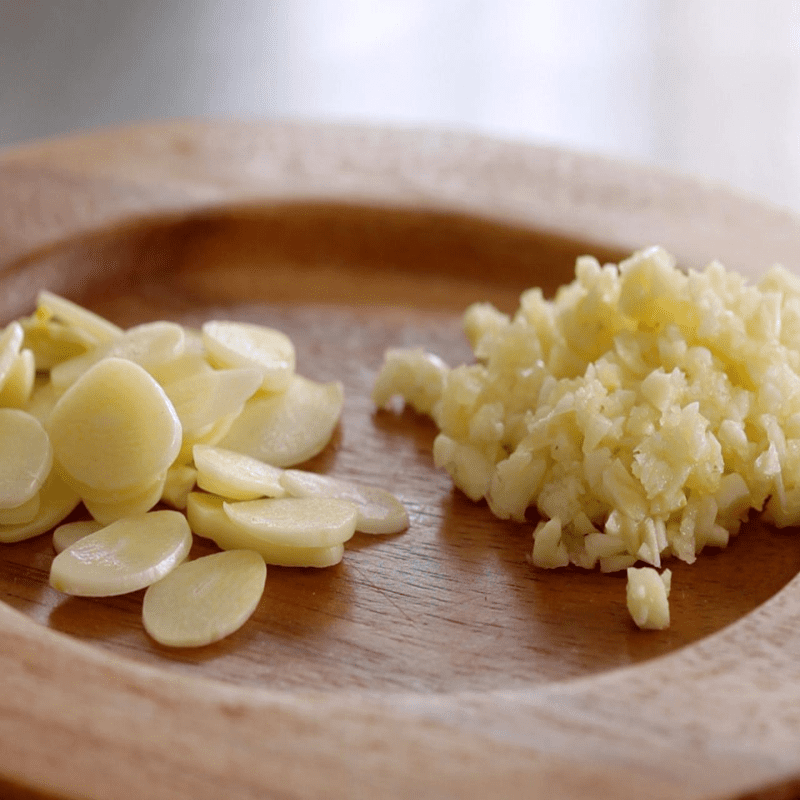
x=436, y=662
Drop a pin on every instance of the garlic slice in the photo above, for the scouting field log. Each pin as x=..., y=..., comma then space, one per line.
x=208, y=519
x=235, y=476
x=204, y=600
x=288, y=428
x=70, y=532
x=126, y=555
x=26, y=457
x=239, y=344
x=378, y=510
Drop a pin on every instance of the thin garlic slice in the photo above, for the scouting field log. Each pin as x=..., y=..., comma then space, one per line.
x=235, y=476
x=149, y=345
x=43, y=400
x=288, y=428
x=26, y=457
x=296, y=521
x=204, y=600
x=53, y=342
x=125, y=556
x=239, y=344
x=203, y=399
x=378, y=510
x=100, y=329
x=18, y=386
x=25, y=512
x=208, y=519
x=10, y=344
x=66, y=535
x=138, y=504
x=181, y=479
x=114, y=429
x=57, y=500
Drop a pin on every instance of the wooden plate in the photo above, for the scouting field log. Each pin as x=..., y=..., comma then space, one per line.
x=430, y=664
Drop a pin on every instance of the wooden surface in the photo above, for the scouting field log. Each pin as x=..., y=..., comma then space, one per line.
x=433, y=663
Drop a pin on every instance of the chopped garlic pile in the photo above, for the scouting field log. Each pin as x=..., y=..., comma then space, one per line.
x=642, y=412
x=122, y=420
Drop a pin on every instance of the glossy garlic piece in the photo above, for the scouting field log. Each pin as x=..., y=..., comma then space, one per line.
x=26, y=457
x=66, y=311
x=57, y=500
x=208, y=519
x=181, y=479
x=139, y=503
x=70, y=532
x=296, y=521
x=114, y=430
x=379, y=511
x=205, y=600
x=18, y=386
x=288, y=428
x=25, y=512
x=235, y=476
x=122, y=557
x=241, y=344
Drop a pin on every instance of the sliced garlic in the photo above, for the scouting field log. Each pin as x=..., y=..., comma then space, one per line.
x=378, y=510
x=114, y=429
x=239, y=344
x=70, y=532
x=149, y=345
x=26, y=457
x=296, y=521
x=208, y=519
x=25, y=512
x=10, y=344
x=124, y=556
x=53, y=342
x=181, y=479
x=138, y=504
x=57, y=500
x=287, y=428
x=100, y=329
x=235, y=476
x=201, y=400
x=18, y=386
x=204, y=600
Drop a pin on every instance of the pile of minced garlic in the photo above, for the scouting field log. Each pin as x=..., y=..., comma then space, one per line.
x=160, y=432
x=642, y=413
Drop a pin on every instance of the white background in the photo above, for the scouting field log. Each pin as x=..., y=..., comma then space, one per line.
x=702, y=87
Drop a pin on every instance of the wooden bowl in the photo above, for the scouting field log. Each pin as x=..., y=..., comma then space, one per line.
x=435, y=663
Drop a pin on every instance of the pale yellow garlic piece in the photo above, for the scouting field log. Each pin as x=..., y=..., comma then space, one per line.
x=181, y=479
x=296, y=521
x=114, y=430
x=208, y=519
x=150, y=346
x=10, y=345
x=57, y=500
x=210, y=435
x=185, y=366
x=70, y=532
x=287, y=428
x=53, y=342
x=235, y=476
x=138, y=504
x=203, y=399
x=18, y=386
x=43, y=399
x=100, y=329
x=240, y=344
x=648, y=597
x=379, y=511
x=205, y=600
x=26, y=457
x=122, y=557
x=25, y=512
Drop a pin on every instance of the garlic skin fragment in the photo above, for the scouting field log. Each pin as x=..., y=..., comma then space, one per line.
x=205, y=600
x=122, y=557
x=208, y=519
x=379, y=511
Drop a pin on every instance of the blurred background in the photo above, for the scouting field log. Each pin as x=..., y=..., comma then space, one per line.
x=701, y=87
